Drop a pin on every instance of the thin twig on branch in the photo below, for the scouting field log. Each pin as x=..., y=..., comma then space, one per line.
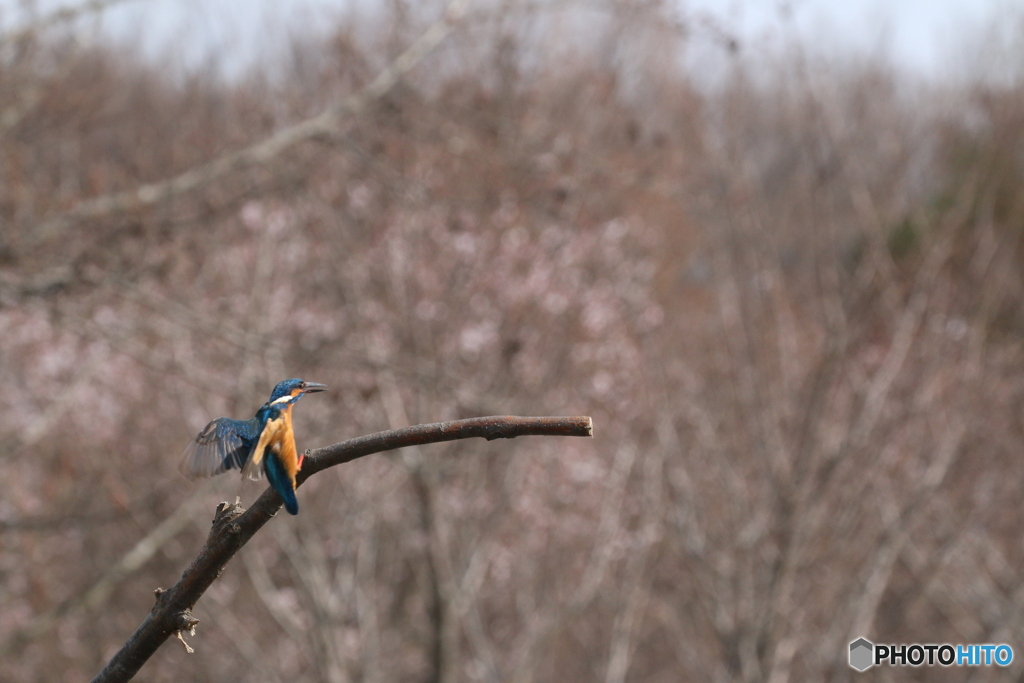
x=233, y=526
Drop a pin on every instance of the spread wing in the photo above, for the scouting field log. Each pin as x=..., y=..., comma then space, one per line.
x=223, y=445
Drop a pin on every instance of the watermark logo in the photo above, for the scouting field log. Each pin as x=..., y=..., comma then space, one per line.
x=861, y=654
x=864, y=654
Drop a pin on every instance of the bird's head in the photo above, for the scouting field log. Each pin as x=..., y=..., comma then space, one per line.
x=293, y=388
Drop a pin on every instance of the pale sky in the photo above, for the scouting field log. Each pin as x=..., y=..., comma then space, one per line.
x=926, y=36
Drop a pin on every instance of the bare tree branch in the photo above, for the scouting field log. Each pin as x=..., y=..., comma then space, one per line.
x=233, y=526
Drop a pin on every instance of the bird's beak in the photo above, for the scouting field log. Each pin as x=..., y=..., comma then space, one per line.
x=312, y=387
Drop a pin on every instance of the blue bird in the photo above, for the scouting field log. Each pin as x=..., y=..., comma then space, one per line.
x=263, y=444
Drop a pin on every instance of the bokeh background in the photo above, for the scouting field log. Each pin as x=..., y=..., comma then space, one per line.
x=783, y=277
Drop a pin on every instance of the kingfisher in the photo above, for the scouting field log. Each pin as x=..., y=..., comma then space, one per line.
x=263, y=444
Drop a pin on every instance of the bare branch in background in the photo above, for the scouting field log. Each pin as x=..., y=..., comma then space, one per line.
x=93, y=598
x=266, y=150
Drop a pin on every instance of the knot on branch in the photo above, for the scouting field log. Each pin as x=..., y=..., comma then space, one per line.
x=184, y=621
x=227, y=513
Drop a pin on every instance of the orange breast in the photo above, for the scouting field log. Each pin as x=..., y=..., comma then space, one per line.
x=284, y=444
x=278, y=438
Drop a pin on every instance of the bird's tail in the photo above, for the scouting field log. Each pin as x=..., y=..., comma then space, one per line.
x=282, y=483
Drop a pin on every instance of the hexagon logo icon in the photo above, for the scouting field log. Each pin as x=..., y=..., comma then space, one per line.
x=862, y=653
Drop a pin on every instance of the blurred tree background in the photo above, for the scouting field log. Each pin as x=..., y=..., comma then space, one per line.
x=791, y=300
